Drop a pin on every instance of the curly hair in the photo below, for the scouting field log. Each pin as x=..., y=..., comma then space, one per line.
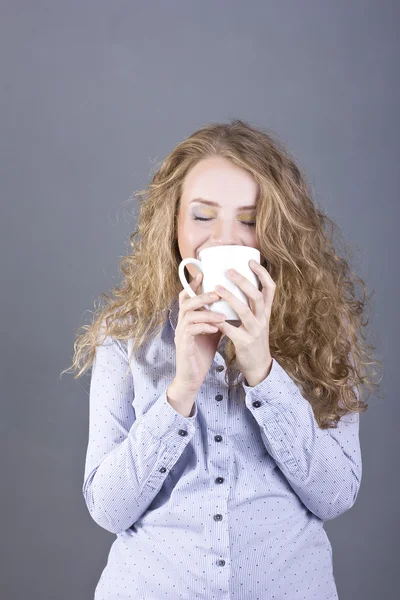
x=316, y=318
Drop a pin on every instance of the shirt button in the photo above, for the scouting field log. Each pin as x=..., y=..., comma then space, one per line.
x=219, y=397
x=218, y=517
x=218, y=438
x=256, y=403
x=219, y=480
x=162, y=470
x=182, y=432
x=220, y=368
x=221, y=562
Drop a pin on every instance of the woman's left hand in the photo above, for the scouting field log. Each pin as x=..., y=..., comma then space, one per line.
x=251, y=339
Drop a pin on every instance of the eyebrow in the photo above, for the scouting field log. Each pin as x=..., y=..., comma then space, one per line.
x=211, y=203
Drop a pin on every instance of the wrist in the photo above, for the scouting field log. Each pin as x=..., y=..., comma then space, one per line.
x=180, y=394
x=255, y=378
x=181, y=399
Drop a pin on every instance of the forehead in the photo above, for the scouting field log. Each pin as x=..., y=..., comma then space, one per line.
x=219, y=182
x=204, y=202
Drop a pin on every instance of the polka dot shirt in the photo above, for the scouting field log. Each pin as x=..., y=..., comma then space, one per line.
x=225, y=504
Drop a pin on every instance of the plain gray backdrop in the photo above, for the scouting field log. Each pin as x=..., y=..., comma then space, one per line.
x=93, y=95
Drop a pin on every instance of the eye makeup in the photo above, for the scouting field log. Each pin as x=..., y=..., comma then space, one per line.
x=243, y=221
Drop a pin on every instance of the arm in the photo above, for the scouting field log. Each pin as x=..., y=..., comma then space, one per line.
x=323, y=466
x=127, y=459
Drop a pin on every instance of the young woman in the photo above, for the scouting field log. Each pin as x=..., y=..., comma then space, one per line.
x=216, y=452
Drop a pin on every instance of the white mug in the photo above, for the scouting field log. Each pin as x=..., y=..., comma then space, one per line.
x=214, y=262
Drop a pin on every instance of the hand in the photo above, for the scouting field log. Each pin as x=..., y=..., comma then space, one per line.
x=251, y=339
x=196, y=338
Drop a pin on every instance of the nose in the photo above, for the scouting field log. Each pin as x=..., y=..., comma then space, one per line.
x=225, y=233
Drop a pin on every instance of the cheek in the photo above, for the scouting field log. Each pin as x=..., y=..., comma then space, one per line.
x=191, y=233
x=189, y=239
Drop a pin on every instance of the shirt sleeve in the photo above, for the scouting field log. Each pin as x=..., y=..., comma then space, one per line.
x=323, y=466
x=127, y=458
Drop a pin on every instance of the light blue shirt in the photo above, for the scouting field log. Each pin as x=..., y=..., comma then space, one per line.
x=227, y=504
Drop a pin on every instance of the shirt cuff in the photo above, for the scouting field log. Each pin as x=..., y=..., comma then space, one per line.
x=277, y=389
x=162, y=420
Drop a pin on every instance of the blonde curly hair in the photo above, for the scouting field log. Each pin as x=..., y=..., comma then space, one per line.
x=316, y=320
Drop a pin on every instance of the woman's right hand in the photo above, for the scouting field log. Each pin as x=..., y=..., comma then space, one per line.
x=196, y=340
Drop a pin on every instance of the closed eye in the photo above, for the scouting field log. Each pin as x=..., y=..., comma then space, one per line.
x=248, y=223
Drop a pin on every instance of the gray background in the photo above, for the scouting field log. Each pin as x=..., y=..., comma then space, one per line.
x=93, y=94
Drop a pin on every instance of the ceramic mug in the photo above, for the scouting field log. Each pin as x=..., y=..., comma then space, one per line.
x=214, y=262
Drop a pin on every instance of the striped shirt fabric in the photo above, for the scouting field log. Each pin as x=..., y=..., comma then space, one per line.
x=226, y=504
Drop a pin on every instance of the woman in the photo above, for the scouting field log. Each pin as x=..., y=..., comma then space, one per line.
x=216, y=453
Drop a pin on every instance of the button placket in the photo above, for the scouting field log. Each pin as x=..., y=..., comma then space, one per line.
x=219, y=480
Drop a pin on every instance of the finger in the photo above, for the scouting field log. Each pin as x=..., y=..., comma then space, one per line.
x=254, y=294
x=267, y=283
x=194, y=284
x=232, y=332
x=197, y=280
x=247, y=317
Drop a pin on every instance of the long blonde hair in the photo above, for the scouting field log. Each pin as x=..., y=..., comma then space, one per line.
x=316, y=320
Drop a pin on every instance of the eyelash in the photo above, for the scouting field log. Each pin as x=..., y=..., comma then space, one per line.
x=243, y=222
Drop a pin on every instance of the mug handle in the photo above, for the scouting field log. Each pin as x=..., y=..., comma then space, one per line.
x=184, y=282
